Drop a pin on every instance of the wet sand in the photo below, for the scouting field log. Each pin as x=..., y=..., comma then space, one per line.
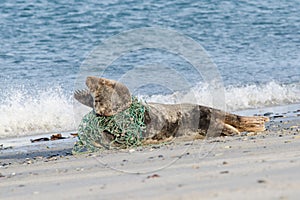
x=261, y=166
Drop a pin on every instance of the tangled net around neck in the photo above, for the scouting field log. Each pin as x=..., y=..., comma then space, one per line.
x=123, y=130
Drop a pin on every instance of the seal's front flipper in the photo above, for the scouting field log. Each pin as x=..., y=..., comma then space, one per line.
x=84, y=97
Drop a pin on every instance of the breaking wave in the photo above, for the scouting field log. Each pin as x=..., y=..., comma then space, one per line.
x=49, y=110
x=236, y=97
x=23, y=113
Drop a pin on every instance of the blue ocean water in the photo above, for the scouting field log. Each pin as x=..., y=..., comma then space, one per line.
x=254, y=44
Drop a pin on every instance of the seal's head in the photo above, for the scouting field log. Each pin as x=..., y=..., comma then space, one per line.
x=110, y=97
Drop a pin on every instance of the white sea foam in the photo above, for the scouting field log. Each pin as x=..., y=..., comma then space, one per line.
x=22, y=113
x=235, y=97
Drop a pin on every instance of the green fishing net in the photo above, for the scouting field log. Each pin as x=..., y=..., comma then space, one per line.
x=122, y=130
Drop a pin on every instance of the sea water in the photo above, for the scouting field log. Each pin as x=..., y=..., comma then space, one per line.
x=254, y=44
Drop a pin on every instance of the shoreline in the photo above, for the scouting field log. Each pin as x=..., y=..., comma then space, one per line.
x=281, y=117
x=288, y=111
x=262, y=166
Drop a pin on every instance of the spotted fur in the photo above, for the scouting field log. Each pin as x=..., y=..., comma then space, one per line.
x=107, y=97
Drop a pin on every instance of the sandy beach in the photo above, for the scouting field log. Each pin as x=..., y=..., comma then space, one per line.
x=60, y=60
x=261, y=166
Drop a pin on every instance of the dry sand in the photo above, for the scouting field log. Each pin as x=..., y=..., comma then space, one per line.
x=262, y=166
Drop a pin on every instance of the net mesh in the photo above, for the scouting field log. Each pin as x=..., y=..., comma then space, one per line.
x=122, y=130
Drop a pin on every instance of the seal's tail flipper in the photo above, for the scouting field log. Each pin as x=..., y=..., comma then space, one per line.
x=245, y=123
x=84, y=97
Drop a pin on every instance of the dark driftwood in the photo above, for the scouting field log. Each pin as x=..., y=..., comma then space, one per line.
x=166, y=121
